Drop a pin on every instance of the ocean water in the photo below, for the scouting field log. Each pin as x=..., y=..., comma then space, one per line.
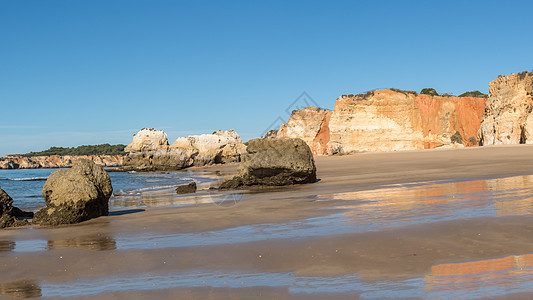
x=25, y=185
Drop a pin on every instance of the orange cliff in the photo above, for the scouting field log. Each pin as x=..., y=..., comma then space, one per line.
x=387, y=120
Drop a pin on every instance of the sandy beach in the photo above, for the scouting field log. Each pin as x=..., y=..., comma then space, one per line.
x=440, y=223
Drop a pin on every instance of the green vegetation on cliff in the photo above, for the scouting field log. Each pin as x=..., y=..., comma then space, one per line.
x=104, y=149
x=476, y=94
x=429, y=91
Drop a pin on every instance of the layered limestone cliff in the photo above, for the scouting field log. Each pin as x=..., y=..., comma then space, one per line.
x=508, y=117
x=151, y=151
x=387, y=120
x=311, y=124
x=56, y=161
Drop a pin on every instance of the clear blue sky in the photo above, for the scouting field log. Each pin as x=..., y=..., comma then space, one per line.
x=91, y=72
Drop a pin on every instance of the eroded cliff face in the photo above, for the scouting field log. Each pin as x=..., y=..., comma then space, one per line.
x=56, y=161
x=508, y=118
x=311, y=124
x=387, y=120
x=150, y=150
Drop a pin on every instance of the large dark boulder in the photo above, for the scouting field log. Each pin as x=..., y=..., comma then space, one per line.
x=186, y=188
x=274, y=162
x=9, y=214
x=75, y=195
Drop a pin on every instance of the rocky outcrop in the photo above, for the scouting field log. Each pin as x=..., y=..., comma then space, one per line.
x=9, y=214
x=508, y=117
x=148, y=139
x=75, y=195
x=311, y=124
x=274, y=162
x=56, y=161
x=387, y=120
x=150, y=150
x=216, y=148
x=186, y=188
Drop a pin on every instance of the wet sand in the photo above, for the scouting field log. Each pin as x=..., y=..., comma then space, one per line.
x=416, y=224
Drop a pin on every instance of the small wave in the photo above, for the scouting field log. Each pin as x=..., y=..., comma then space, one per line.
x=150, y=188
x=139, y=191
x=28, y=179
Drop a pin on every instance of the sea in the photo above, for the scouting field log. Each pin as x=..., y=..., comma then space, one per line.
x=25, y=185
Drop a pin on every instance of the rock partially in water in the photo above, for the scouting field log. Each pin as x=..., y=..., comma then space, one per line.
x=75, y=195
x=274, y=162
x=9, y=214
x=56, y=161
x=150, y=150
x=186, y=188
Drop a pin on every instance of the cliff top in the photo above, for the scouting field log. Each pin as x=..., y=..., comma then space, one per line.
x=425, y=92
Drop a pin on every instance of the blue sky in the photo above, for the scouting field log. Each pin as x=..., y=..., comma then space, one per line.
x=91, y=72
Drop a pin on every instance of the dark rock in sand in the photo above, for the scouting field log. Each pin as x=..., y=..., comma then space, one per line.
x=186, y=188
x=9, y=214
x=75, y=195
x=274, y=162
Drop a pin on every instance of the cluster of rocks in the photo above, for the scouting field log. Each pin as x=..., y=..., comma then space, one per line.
x=150, y=150
x=56, y=161
x=83, y=191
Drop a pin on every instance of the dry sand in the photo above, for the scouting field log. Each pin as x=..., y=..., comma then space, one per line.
x=392, y=254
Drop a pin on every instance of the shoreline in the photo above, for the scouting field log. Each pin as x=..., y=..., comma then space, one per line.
x=306, y=230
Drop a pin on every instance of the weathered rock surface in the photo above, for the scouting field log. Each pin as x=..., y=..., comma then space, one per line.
x=311, y=124
x=387, y=120
x=148, y=139
x=151, y=151
x=56, y=161
x=508, y=117
x=186, y=188
x=274, y=162
x=75, y=195
x=9, y=214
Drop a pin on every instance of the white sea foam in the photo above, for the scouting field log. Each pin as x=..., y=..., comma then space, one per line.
x=28, y=179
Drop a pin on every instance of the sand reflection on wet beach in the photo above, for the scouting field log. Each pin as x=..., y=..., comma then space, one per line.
x=468, y=280
x=392, y=207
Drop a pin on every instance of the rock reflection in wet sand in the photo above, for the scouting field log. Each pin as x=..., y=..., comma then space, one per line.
x=6, y=246
x=91, y=242
x=21, y=289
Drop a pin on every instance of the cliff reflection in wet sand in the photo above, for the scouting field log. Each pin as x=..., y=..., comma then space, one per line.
x=482, y=278
x=435, y=201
